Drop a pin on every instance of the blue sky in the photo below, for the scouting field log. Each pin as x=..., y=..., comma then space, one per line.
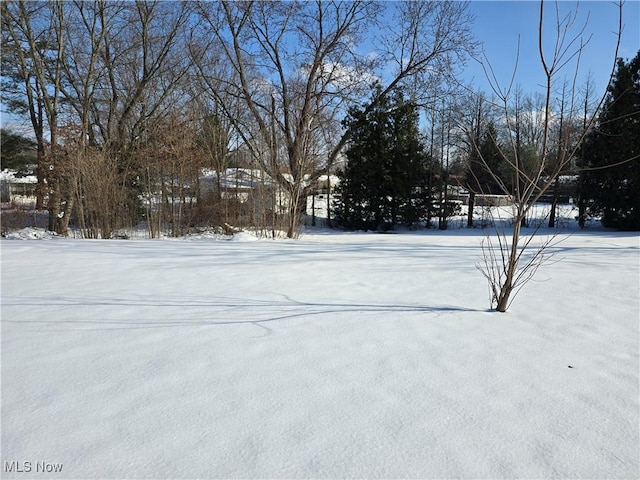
x=499, y=23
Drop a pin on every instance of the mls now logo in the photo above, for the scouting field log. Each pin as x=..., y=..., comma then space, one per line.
x=26, y=467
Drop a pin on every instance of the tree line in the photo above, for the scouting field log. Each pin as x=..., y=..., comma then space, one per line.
x=130, y=102
x=524, y=150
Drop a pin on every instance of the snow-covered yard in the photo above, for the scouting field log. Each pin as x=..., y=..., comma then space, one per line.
x=334, y=356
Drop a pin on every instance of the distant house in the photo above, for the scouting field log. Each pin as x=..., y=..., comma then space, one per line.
x=563, y=191
x=244, y=185
x=253, y=186
x=15, y=190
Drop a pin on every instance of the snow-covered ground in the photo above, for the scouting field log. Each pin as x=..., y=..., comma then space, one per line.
x=333, y=356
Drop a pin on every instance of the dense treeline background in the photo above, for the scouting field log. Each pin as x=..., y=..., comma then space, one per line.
x=180, y=115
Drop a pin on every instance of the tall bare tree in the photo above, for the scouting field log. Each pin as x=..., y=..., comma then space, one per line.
x=121, y=68
x=33, y=33
x=298, y=65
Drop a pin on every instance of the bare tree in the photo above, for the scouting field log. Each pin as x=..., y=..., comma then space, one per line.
x=121, y=68
x=35, y=36
x=565, y=128
x=511, y=260
x=297, y=65
x=94, y=184
x=98, y=73
x=478, y=143
x=20, y=90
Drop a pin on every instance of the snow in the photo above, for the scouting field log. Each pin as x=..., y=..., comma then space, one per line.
x=333, y=356
x=243, y=237
x=31, y=233
x=7, y=175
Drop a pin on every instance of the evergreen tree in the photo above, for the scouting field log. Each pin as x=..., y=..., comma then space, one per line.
x=611, y=153
x=17, y=152
x=384, y=182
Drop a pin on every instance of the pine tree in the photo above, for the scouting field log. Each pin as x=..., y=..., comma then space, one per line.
x=384, y=182
x=611, y=154
x=17, y=152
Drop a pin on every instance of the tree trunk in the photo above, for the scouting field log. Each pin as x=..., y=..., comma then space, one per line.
x=295, y=214
x=582, y=212
x=582, y=207
x=54, y=204
x=41, y=170
x=66, y=218
x=502, y=302
x=472, y=202
x=554, y=205
x=328, y=202
x=552, y=214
